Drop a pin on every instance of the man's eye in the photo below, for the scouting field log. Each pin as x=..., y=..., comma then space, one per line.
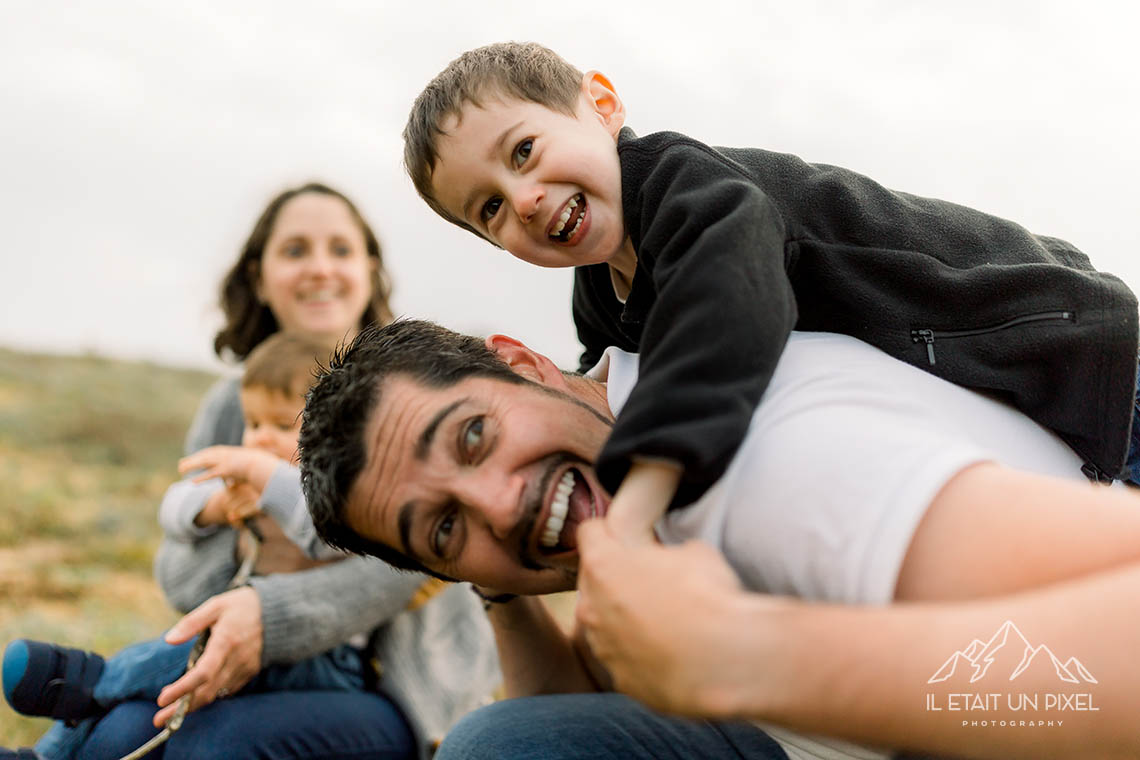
x=522, y=152
x=472, y=438
x=490, y=208
x=442, y=534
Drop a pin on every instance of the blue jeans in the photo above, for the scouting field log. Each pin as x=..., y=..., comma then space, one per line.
x=140, y=671
x=597, y=727
x=278, y=725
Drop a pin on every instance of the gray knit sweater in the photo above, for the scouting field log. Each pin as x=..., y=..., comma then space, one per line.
x=439, y=661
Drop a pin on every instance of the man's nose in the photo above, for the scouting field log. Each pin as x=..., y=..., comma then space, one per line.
x=495, y=500
x=526, y=200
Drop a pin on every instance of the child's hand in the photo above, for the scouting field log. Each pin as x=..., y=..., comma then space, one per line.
x=233, y=464
x=641, y=500
x=235, y=499
x=243, y=508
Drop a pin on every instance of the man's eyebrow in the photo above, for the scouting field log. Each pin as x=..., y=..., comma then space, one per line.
x=494, y=150
x=423, y=445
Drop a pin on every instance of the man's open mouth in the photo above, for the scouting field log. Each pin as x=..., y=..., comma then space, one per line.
x=572, y=502
x=570, y=220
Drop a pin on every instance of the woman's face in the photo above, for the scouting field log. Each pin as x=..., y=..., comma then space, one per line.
x=315, y=271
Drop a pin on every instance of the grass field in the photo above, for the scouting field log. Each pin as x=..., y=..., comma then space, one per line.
x=87, y=448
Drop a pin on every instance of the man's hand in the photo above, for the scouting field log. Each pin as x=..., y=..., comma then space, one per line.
x=232, y=655
x=641, y=500
x=233, y=464
x=229, y=505
x=668, y=622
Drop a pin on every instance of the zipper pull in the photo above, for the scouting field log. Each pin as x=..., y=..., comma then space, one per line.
x=927, y=337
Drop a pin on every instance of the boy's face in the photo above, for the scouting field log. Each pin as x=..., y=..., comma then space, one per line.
x=272, y=421
x=543, y=185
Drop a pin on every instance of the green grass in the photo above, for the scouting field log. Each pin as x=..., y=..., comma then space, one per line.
x=88, y=445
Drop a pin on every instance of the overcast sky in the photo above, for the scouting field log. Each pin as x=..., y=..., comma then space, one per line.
x=139, y=140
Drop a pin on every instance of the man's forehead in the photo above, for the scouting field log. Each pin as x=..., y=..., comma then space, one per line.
x=404, y=424
x=386, y=432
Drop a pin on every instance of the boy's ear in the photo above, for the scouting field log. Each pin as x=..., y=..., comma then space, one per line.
x=523, y=361
x=604, y=100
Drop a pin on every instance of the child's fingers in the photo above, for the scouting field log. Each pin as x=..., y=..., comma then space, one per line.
x=595, y=539
x=211, y=473
x=641, y=500
x=632, y=527
x=196, y=461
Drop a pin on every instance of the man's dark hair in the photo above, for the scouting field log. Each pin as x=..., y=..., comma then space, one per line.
x=332, y=445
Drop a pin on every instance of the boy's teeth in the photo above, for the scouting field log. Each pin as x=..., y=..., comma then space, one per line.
x=559, y=506
x=564, y=217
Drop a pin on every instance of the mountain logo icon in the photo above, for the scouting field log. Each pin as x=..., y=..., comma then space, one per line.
x=1008, y=651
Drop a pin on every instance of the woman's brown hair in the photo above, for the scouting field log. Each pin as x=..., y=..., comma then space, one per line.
x=248, y=320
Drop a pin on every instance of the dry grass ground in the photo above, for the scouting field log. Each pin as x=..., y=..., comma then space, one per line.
x=87, y=448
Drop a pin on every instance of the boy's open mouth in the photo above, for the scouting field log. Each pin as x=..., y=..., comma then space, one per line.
x=570, y=219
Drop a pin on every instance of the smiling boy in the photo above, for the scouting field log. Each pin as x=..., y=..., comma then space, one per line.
x=703, y=259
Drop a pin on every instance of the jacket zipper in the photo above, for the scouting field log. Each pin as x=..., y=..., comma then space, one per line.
x=928, y=336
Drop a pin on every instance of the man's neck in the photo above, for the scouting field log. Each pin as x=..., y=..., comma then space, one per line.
x=592, y=393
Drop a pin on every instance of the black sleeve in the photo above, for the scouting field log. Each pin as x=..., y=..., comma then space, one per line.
x=597, y=315
x=712, y=245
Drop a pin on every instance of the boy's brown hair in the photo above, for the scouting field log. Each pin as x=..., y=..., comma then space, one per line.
x=286, y=363
x=523, y=70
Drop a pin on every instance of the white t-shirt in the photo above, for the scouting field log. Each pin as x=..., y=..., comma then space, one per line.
x=845, y=452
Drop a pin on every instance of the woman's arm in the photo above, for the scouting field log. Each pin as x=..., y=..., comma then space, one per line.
x=311, y=611
x=190, y=573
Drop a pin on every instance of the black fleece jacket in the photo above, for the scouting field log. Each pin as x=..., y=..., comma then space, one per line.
x=737, y=247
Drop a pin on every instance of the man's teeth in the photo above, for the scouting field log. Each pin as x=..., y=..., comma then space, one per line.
x=567, y=213
x=558, y=509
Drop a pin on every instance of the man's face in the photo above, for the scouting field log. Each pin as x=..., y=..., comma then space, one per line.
x=468, y=480
x=543, y=185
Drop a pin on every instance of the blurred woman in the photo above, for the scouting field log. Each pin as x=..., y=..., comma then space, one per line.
x=311, y=266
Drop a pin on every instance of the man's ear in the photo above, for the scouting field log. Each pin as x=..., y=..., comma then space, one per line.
x=604, y=101
x=523, y=361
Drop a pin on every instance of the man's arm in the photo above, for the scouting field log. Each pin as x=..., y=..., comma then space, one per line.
x=675, y=629
x=993, y=530
x=536, y=655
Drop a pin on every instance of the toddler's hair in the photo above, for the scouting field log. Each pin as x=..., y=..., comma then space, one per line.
x=523, y=70
x=286, y=363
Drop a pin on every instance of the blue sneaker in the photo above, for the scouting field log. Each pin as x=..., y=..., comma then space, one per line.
x=51, y=681
x=20, y=754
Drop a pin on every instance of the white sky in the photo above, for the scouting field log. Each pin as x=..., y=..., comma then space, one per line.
x=139, y=140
